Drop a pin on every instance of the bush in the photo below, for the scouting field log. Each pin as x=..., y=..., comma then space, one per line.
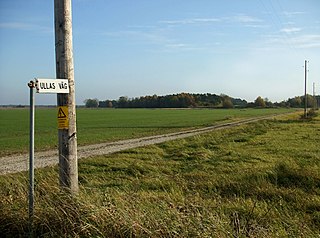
x=312, y=113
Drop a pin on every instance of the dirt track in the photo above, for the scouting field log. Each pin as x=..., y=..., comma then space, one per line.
x=18, y=163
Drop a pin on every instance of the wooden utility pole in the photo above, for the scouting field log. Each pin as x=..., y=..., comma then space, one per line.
x=68, y=161
x=314, y=97
x=305, y=90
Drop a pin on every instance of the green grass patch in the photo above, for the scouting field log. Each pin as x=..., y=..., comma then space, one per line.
x=257, y=180
x=96, y=125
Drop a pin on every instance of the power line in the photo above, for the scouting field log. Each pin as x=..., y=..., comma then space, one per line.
x=279, y=25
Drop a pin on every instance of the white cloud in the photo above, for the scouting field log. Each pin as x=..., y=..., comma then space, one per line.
x=290, y=30
x=307, y=41
x=141, y=26
x=256, y=25
x=142, y=36
x=25, y=27
x=191, y=21
x=293, y=14
x=179, y=47
x=242, y=18
x=239, y=18
x=17, y=25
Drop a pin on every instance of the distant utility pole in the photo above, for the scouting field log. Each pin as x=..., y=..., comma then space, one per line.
x=314, y=97
x=68, y=161
x=305, y=90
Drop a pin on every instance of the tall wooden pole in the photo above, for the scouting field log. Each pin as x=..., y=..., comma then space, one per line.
x=314, y=97
x=68, y=161
x=305, y=91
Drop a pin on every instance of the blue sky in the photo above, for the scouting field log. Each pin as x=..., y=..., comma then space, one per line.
x=242, y=48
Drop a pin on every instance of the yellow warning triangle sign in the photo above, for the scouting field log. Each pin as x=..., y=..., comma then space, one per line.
x=61, y=113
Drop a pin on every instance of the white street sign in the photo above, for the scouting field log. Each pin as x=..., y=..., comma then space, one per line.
x=52, y=85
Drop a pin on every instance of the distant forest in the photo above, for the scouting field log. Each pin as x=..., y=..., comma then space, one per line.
x=191, y=100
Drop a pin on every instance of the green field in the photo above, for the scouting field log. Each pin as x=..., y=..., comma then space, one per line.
x=255, y=180
x=96, y=125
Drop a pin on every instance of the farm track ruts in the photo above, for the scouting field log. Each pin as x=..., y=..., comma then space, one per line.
x=18, y=163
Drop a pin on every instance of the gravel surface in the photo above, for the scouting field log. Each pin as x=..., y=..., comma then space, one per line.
x=18, y=163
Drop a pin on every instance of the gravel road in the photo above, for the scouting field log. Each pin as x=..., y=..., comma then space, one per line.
x=18, y=163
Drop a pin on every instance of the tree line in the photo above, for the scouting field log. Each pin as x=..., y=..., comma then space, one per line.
x=191, y=100
x=181, y=100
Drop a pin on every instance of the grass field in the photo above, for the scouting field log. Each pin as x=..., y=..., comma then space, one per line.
x=257, y=180
x=96, y=126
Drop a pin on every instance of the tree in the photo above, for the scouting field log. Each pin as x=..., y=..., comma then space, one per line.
x=123, y=102
x=91, y=103
x=268, y=102
x=295, y=102
x=227, y=102
x=310, y=100
x=237, y=102
x=259, y=102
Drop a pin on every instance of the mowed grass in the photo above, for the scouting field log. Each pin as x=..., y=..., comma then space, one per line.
x=96, y=125
x=257, y=180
